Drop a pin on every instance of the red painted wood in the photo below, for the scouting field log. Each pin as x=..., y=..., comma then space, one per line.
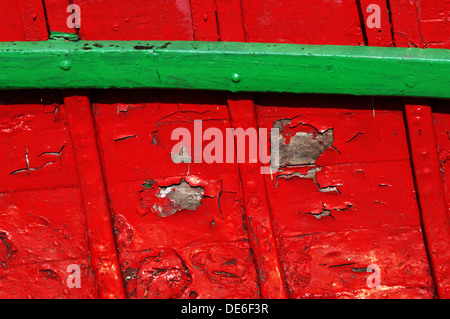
x=324, y=265
x=33, y=124
x=33, y=20
x=421, y=23
x=231, y=20
x=46, y=280
x=434, y=23
x=441, y=126
x=42, y=223
x=374, y=202
x=382, y=36
x=57, y=15
x=43, y=231
x=22, y=20
x=431, y=192
x=208, y=251
x=101, y=241
x=306, y=22
x=203, y=245
x=405, y=24
x=410, y=30
x=204, y=20
x=11, y=28
x=257, y=209
x=131, y=20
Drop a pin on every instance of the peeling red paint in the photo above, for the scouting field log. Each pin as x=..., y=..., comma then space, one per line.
x=42, y=224
x=373, y=192
x=431, y=190
x=80, y=176
x=215, y=228
x=164, y=201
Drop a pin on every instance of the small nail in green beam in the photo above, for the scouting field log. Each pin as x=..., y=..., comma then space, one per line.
x=62, y=63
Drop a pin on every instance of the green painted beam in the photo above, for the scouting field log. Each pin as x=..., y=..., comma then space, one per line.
x=61, y=63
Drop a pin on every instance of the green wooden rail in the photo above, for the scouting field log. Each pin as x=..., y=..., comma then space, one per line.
x=62, y=63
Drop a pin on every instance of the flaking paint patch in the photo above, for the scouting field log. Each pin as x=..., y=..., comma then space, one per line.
x=311, y=174
x=165, y=201
x=301, y=144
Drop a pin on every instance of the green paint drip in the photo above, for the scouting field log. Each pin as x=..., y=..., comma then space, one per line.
x=225, y=66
